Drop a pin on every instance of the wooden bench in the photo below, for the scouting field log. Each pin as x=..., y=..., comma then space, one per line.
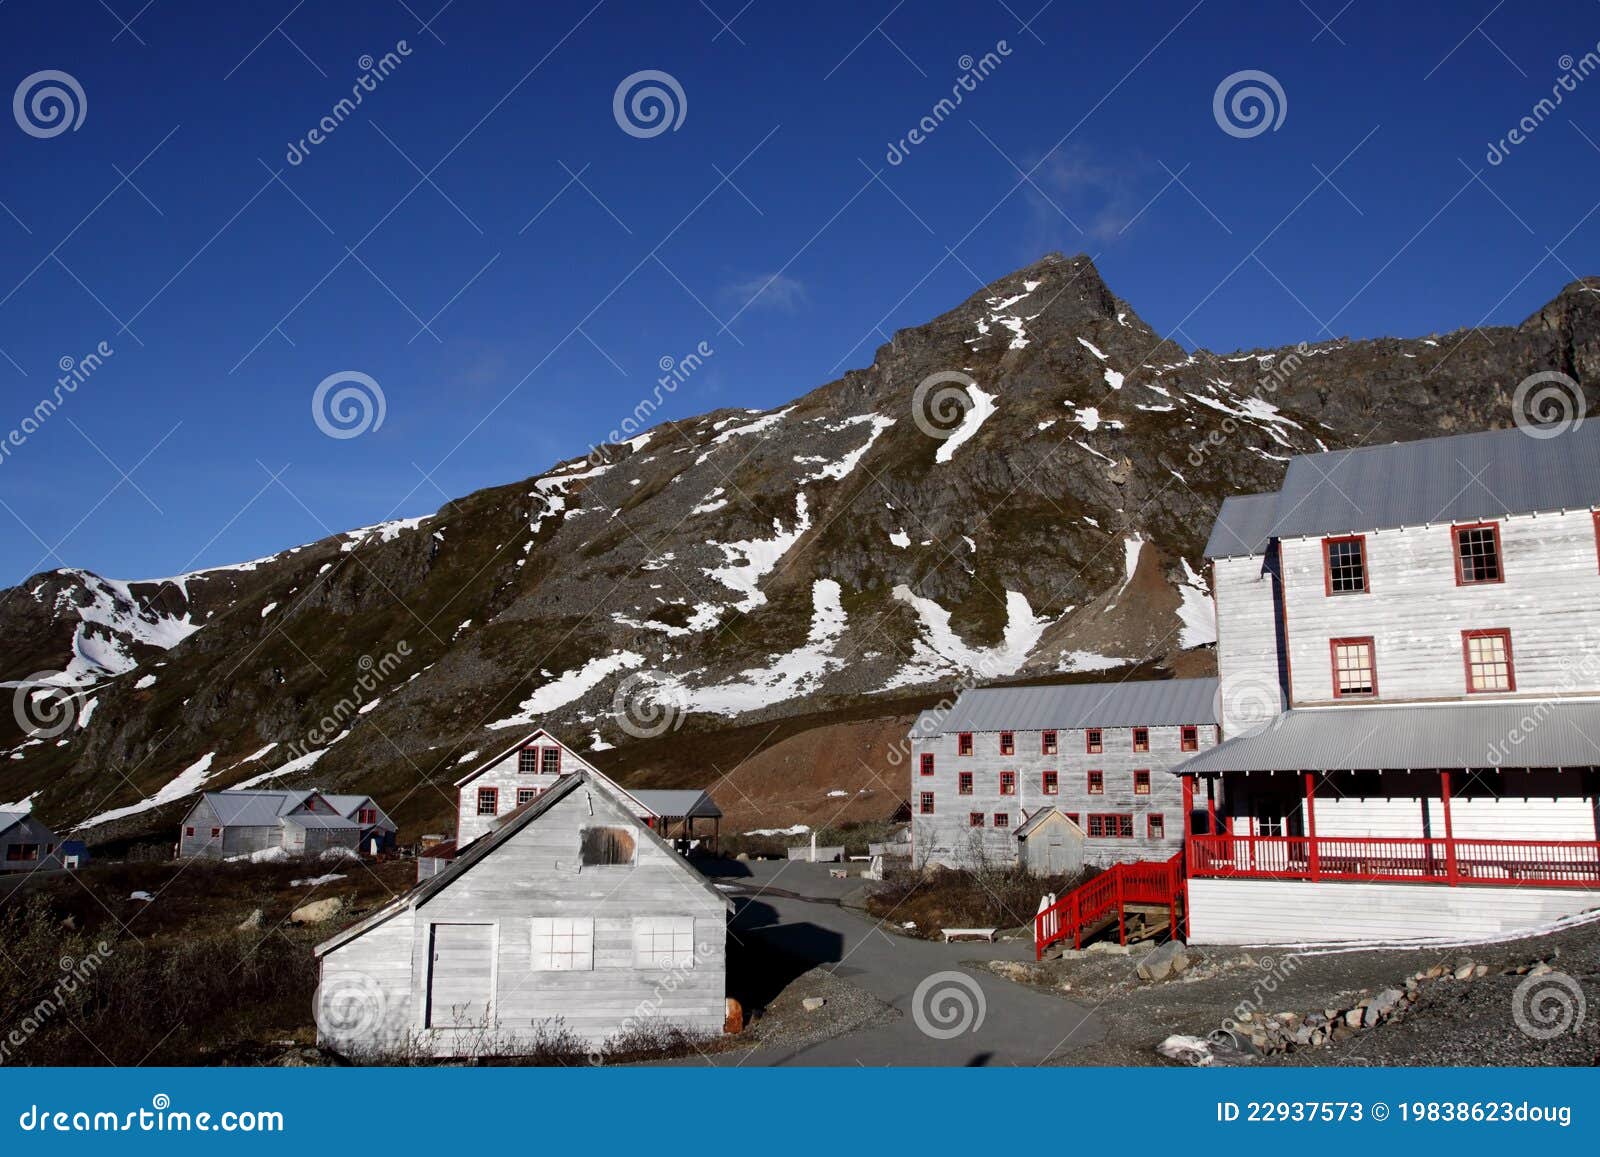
x=967, y=933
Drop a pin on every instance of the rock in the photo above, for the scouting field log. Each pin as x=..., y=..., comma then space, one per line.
x=1540, y=969
x=742, y=858
x=733, y=1016
x=1481, y=970
x=300, y=1059
x=1189, y=1050
x=1169, y=959
x=1011, y=970
x=1342, y=1032
x=813, y=1003
x=1464, y=971
x=1317, y=1038
x=1354, y=1016
x=1108, y=948
x=1436, y=972
x=1303, y=1034
x=317, y=911
x=1386, y=1001
x=250, y=922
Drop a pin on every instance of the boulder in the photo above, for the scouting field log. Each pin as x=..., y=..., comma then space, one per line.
x=1189, y=1050
x=1354, y=1017
x=733, y=1016
x=1170, y=959
x=1385, y=1002
x=1464, y=971
x=813, y=1003
x=251, y=922
x=317, y=911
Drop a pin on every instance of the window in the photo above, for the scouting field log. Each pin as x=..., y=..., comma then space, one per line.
x=964, y=783
x=1047, y=743
x=216, y=833
x=1156, y=826
x=528, y=761
x=1189, y=739
x=1141, y=739
x=526, y=795
x=1110, y=827
x=1141, y=783
x=974, y=819
x=1073, y=816
x=17, y=853
x=926, y=763
x=549, y=761
x=1477, y=553
x=964, y=743
x=1355, y=671
x=367, y=815
x=1008, y=743
x=1002, y=819
x=1049, y=783
x=1092, y=741
x=188, y=831
x=1345, y=565
x=1271, y=825
x=1008, y=783
x=600, y=846
x=488, y=801
x=663, y=942
x=925, y=805
x=1488, y=658
x=562, y=944
x=1097, y=783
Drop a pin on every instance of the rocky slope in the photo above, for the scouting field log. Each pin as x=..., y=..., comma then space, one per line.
x=1018, y=489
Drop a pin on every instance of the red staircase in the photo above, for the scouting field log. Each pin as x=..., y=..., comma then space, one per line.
x=1105, y=899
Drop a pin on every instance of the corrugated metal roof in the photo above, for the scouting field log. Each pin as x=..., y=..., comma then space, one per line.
x=1489, y=474
x=252, y=809
x=318, y=820
x=1465, y=735
x=7, y=819
x=1146, y=702
x=676, y=802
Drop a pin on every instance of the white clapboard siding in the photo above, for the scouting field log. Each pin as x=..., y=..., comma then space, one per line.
x=364, y=996
x=1247, y=643
x=1302, y=912
x=1415, y=612
x=504, y=776
x=947, y=838
x=460, y=974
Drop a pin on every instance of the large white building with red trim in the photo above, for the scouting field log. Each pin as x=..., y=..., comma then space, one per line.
x=1409, y=659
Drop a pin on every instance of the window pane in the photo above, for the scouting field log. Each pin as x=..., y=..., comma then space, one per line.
x=1347, y=571
x=1479, y=554
x=663, y=942
x=1352, y=668
x=562, y=944
x=1488, y=663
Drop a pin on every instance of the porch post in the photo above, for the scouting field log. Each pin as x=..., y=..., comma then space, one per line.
x=1211, y=805
x=1312, y=858
x=1188, y=806
x=1449, y=831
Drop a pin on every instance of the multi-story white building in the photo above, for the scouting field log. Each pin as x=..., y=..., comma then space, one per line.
x=1101, y=754
x=1409, y=651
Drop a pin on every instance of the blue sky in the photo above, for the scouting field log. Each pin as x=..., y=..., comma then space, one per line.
x=484, y=241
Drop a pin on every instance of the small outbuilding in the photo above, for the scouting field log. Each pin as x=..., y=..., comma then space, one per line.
x=1050, y=844
x=27, y=844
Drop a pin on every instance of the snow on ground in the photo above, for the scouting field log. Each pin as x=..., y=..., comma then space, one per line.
x=1113, y=378
x=22, y=805
x=713, y=501
x=596, y=743
x=316, y=881
x=552, y=491
x=1089, y=418
x=797, y=830
x=469, y=756
x=751, y=560
x=268, y=609
x=569, y=686
x=1090, y=346
x=787, y=676
x=702, y=618
x=86, y=712
x=186, y=782
x=145, y=681
x=386, y=531
x=765, y=422
x=901, y=539
x=1089, y=661
x=142, y=897
x=262, y=856
x=982, y=408
x=1247, y=407
x=1196, y=612
x=113, y=608
x=299, y=763
x=835, y=471
x=939, y=648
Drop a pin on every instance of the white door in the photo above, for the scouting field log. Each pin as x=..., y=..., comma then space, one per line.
x=461, y=976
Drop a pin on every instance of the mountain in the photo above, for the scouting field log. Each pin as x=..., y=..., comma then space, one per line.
x=1020, y=488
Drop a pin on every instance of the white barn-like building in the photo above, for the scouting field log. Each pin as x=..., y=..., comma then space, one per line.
x=1409, y=651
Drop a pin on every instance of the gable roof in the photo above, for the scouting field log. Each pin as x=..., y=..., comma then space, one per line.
x=1464, y=477
x=1039, y=818
x=9, y=820
x=347, y=806
x=485, y=846
x=486, y=764
x=677, y=802
x=1066, y=706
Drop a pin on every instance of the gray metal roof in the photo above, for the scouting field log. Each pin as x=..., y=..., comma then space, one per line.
x=1064, y=706
x=252, y=809
x=7, y=819
x=1466, y=476
x=676, y=802
x=1531, y=733
x=318, y=820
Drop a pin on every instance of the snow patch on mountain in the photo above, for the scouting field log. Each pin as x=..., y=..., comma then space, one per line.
x=836, y=471
x=108, y=624
x=569, y=686
x=938, y=648
x=1197, y=612
x=982, y=410
x=186, y=782
x=751, y=560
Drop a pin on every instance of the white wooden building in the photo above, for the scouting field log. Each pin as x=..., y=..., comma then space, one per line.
x=1100, y=753
x=27, y=844
x=1409, y=651
x=570, y=912
x=300, y=822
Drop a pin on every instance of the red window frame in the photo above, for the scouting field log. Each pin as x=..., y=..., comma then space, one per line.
x=974, y=819
x=925, y=804
x=528, y=761
x=526, y=795
x=1095, y=783
x=1093, y=740
x=216, y=833
x=1110, y=826
x=1008, y=783
x=1466, y=658
x=1002, y=819
x=1156, y=826
x=964, y=743
x=1141, y=782
x=188, y=831
x=1008, y=743
x=925, y=764
x=1073, y=816
x=1189, y=738
x=1141, y=739
x=491, y=795
x=963, y=783
x=1327, y=564
x=1372, y=655
x=544, y=757
x=366, y=815
x=1499, y=554
x=1048, y=743
x=1050, y=783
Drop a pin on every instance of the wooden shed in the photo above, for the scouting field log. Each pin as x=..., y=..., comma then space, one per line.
x=571, y=912
x=1050, y=844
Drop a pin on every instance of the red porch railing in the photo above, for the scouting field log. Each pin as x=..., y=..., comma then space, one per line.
x=1541, y=863
x=1142, y=882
